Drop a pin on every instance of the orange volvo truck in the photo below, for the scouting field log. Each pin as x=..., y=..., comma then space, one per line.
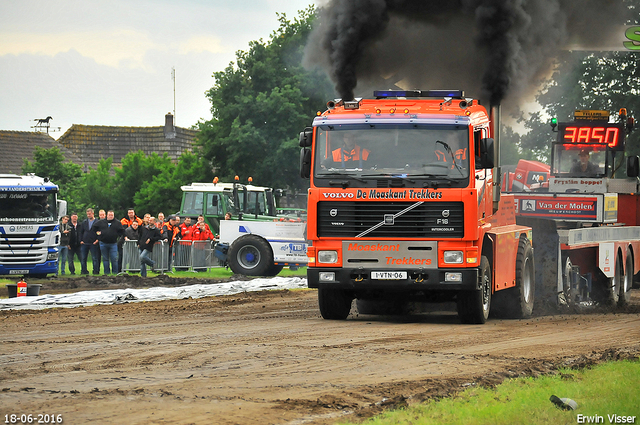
x=403, y=208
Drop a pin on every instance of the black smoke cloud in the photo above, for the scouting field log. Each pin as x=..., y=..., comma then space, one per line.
x=493, y=49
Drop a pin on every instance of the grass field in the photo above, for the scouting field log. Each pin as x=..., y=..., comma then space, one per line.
x=607, y=393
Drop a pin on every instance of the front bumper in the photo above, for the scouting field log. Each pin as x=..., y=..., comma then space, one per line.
x=425, y=280
x=47, y=267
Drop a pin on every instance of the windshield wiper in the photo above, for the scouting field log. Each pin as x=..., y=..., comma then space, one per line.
x=346, y=176
x=453, y=157
x=396, y=176
x=344, y=183
x=438, y=178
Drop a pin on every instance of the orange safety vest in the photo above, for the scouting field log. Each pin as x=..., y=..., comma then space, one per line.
x=126, y=222
x=356, y=154
x=174, y=230
x=461, y=154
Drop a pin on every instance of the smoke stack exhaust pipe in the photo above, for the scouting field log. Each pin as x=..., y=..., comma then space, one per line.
x=497, y=174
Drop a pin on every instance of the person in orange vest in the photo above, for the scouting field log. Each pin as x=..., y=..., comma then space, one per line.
x=185, y=228
x=130, y=218
x=171, y=233
x=200, y=232
x=350, y=155
x=201, y=220
x=160, y=221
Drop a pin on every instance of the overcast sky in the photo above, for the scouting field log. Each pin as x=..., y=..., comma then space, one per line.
x=109, y=62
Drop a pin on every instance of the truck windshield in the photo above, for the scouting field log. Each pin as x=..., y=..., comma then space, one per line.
x=569, y=161
x=378, y=151
x=19, y=207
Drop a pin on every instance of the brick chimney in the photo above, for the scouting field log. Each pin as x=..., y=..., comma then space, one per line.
x=169, y=128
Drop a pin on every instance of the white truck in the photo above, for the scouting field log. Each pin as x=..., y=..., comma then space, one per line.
x=29, y=225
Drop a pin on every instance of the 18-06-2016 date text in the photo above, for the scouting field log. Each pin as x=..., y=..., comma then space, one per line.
x=29, y=418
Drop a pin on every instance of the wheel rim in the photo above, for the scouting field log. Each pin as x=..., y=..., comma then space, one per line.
x=526, y=280
x=614, y=283
x=248, y=257
x=628, y=276
x=486, y=291
x=567, y=281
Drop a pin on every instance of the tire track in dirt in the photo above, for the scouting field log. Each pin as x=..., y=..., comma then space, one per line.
x=270, y=358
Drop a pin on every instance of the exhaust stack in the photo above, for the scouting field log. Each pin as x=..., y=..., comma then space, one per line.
x=497, y=174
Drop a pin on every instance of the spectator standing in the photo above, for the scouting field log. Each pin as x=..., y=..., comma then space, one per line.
x=186, y=227
x=201, y=220
x=131, y=237
x=145, y=219
x=201, y=233
x=74, y=243
x=198, y=235
x=170, y=233
x=126, y=222
x=160, y=221
x=150, y=234
x=65, y=237
x=133, y=232
x=109, y=231
x=89, y=243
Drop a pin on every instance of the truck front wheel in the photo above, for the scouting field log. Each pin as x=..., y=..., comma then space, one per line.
x=474, y=306
x=250, y=255
x=335, y=304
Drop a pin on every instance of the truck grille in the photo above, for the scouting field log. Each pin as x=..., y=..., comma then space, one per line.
x=427, y=220
x=23, y=249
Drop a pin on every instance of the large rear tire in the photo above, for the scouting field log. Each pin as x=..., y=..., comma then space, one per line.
x=250, y=255
x=612, y=286
x=517, y=302
x=474, y=306
x=274, y=270
x=567, y=298
x=627, y=282
x=335, y=304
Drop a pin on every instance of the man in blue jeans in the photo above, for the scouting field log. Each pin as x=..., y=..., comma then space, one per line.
x=65, y=237
x=108, y=232
x=89, y=242
x=150, y=235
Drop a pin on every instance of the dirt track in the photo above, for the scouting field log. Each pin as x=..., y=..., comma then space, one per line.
x=262, y=358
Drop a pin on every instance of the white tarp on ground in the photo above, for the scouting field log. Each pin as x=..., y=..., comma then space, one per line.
x=118, y=296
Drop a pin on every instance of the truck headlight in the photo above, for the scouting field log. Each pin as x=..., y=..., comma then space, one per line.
x=52, y=256
x=328, y=257
x=453, y=277
x=453, y=257
x=327, y=277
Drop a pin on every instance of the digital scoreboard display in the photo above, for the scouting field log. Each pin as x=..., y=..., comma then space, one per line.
x=591, y=133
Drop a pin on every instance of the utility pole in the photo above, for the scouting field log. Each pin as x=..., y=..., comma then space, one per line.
x=173, y=77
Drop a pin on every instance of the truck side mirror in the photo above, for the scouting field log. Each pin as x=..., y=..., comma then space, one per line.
x=305, y=163
x=487, y=156
x=633, y=166
x=306, y=137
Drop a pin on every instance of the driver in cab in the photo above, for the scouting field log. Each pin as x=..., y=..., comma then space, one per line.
x=349, y=155
x=583, y=167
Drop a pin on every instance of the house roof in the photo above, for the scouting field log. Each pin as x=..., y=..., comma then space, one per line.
x=90, y=143
x=16, y=146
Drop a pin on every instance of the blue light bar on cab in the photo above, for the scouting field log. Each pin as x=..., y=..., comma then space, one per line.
x=381, y=94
